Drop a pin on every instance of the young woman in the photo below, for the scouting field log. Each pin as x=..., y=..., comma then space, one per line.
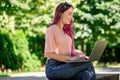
x=59, y=49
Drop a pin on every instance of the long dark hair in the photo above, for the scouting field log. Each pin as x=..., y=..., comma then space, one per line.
x=61, y=8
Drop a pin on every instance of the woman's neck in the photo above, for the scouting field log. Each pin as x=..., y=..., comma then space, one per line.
x=60, y=25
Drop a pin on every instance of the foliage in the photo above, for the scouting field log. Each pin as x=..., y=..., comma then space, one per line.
x=99, y=19
x=36, y=46
x=15, y=53
x=8, y=57
x=26, y=60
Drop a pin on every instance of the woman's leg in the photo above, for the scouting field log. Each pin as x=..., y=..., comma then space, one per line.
x=82, y=75
x=86, y=75
x=91, y=72
x=56, y=70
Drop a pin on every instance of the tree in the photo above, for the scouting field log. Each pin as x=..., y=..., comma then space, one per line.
x=98, y=19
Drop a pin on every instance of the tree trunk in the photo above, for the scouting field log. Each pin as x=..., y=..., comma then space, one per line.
x=82, y=44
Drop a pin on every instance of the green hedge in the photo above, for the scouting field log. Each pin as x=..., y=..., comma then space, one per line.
x=27, y=61
x=36, y=46
x=15, y=54
x=8, y=57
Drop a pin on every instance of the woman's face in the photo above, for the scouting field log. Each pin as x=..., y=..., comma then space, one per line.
x=67, y=16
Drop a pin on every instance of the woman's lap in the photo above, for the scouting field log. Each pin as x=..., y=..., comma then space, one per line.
x=58, y=70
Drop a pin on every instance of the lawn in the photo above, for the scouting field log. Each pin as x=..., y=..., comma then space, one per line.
x=107, y=65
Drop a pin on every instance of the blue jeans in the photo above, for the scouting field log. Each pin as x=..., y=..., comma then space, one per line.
x=56, y=70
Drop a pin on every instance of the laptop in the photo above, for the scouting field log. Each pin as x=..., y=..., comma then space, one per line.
x=96, y=53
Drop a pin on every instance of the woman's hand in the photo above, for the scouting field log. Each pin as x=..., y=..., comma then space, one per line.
x=74, y=58
x=85, y=57
x=81, y=55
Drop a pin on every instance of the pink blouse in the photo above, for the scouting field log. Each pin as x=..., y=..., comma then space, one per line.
x=57, y=41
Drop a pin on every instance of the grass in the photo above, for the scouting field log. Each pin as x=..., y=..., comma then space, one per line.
x=3, y=74
x=107, y=65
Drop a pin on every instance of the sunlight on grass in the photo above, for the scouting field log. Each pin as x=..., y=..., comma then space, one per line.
x=3, y=74
x=107, y=65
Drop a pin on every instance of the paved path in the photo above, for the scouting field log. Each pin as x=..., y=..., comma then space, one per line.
x=107, y=72
x=41, y=75
x=26, y=76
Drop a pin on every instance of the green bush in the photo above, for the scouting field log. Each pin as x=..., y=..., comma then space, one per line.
x=111, y=55
x=8, y=58
x=27, y=61
x=14, y=52
x=36, y=46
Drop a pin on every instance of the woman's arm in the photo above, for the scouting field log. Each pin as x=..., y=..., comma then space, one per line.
x=61, y=58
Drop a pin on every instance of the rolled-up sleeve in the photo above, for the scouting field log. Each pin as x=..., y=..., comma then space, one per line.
x=50, y=45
